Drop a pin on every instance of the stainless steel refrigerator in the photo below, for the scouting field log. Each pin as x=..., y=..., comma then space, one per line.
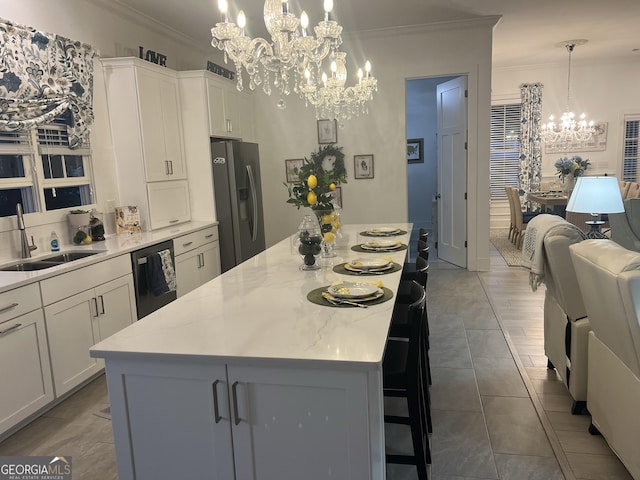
x=238, y=195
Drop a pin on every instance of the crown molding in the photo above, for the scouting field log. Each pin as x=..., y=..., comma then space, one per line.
x=488, y=21
x=140, y=18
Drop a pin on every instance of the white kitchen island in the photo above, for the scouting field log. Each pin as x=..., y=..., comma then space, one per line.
x=244, y=378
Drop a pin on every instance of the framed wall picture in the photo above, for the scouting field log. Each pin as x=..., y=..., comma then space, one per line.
x=415, y=150
x=337, y=197
x=596, y=144
x=292, y=166
x=327, y=131
x=363, y=166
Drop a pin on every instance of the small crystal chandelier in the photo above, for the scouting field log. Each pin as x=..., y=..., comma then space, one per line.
x=570, y=131
x=293, y=59
x=331, y=98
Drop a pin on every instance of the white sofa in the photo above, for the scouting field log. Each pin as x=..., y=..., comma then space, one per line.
x=566, y=326
x=609, y=279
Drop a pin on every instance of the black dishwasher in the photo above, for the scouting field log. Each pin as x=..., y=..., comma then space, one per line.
x=146, y=300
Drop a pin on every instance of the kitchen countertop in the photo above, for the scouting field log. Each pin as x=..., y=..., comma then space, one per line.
x=112, y=246
x=259, y=310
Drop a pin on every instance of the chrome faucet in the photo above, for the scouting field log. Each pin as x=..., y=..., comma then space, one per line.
x=26, y=248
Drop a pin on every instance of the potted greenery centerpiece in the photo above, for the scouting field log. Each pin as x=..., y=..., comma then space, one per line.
x=318, y=178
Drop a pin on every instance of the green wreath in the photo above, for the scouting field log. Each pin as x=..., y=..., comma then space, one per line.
x=325, y=179
x=338, y=171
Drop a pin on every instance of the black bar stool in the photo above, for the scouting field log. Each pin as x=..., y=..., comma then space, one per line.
x=402, y=377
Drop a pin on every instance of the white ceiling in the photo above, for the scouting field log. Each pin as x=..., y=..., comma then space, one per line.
x=530, y=32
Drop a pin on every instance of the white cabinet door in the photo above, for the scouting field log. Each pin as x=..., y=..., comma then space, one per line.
x=161, y=126
x=210, y=261
x=168, y=203
x=223, y=110
x=72, y=329
x=289, y=423
x=187, y=274
x=76, y=323
x=171, y=420
x=116, y=302
x=25, y=373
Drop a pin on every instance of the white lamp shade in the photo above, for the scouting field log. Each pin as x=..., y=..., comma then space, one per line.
x=596, y=195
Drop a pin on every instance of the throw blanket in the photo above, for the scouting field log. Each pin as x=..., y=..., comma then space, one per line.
x=161, y=277
x=533, y=256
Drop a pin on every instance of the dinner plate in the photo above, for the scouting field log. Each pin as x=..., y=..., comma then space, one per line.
x=381, y=244
x=351, y=268
x=354, y=290
x=369, y=263
x=383, y=230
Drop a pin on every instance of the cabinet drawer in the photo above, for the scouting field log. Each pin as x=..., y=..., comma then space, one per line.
x=19, y=301
x=193, y=240
x=68, y=284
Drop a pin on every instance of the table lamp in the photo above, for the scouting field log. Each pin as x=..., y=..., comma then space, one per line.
x=596, y=195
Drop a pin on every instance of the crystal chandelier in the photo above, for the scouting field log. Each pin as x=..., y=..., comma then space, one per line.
x=331, y=98
x=293, y=59
x=570, y=131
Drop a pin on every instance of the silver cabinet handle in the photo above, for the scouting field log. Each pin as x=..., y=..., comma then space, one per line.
x=94, y=301
x=174, y=221
x=8, y=307
x=101, y=304
x=186, y=244
x=7, y=330
x=234, y=394
x=209, y=236
x=170, y=167
x=201, y=255
x=166, y=167
x=216, y=411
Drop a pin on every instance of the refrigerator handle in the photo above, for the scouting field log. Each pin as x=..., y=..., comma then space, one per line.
x=254, y=201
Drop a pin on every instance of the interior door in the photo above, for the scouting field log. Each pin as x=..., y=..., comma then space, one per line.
x=452, y=171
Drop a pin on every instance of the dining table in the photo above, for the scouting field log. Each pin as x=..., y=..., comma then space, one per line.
x=551, y=201
x=246, y=377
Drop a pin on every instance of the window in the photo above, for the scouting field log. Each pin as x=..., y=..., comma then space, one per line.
x=505, y=148
x=16, y=179
x=40, y=171
x=631, y=158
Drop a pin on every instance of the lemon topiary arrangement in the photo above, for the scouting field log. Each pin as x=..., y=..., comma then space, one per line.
x=318, y=178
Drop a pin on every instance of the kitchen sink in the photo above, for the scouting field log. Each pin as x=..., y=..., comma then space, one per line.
x=48, y=262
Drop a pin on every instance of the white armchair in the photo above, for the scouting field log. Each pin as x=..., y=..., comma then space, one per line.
x=609, y=279
x=566, y=326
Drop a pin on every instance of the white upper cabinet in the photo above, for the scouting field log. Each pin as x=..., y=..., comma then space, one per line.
x=161, y=126
x=148, y=140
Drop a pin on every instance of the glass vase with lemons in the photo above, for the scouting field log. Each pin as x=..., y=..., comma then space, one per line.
x=318, y=178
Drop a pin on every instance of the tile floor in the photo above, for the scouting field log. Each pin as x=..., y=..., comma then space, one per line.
x=498, y=413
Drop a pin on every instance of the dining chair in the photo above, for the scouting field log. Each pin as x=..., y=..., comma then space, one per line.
x=402, y=378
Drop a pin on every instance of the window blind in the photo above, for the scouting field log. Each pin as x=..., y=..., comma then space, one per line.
x=630, y=159
x=505, y=148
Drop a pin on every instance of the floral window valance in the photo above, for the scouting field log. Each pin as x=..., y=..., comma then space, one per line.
x=43, y=76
